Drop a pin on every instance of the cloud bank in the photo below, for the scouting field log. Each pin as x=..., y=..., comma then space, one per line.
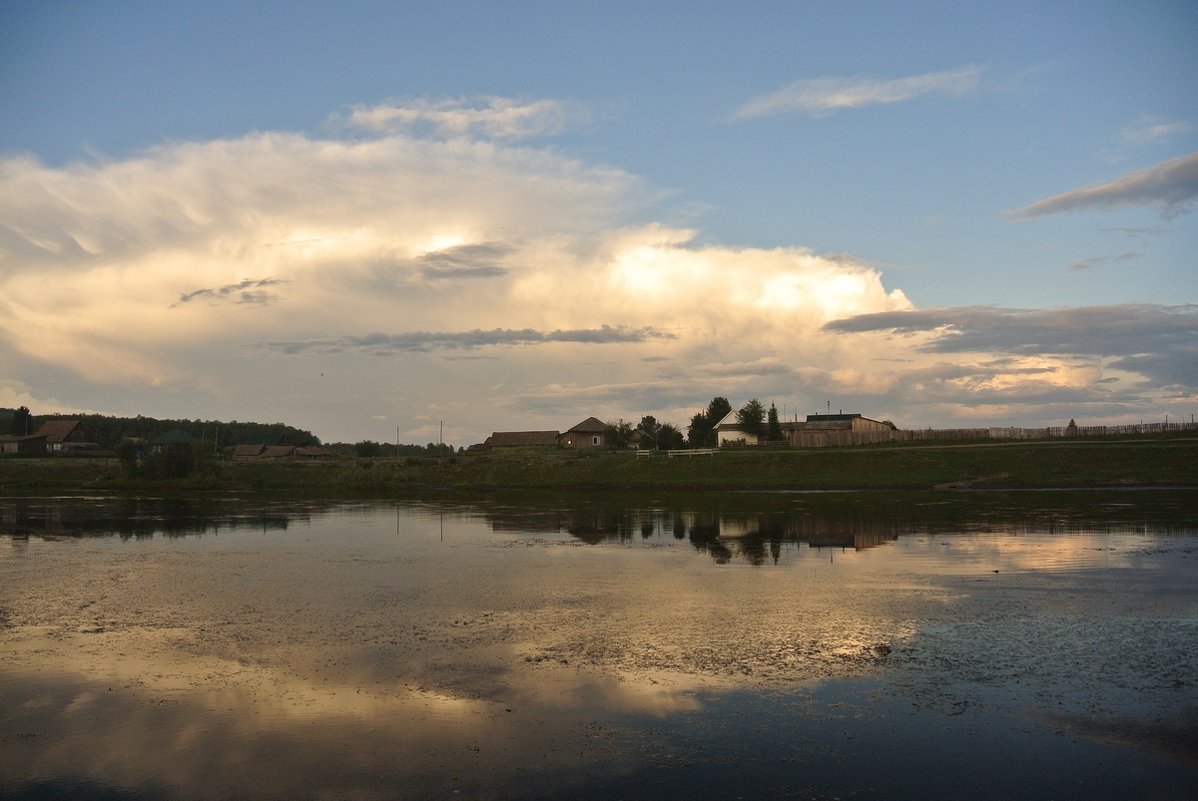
x=1159, y=343
x=819, y=97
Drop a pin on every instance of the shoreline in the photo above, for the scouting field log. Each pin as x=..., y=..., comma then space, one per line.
x=947, y=467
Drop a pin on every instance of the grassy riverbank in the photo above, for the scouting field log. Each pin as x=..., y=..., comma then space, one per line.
x=1056, y=463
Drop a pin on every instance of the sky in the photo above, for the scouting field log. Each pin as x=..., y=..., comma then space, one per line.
x=439, y=220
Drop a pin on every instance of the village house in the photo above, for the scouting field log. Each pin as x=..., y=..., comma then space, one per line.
x=522, y=439
x=28, y=445
x=65, y=436
x=817, y=431
x=827, y=430
x=277, y=453
x=176, y=436
x=587, y=434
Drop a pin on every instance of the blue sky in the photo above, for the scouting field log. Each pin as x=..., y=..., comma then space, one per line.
x=671, y=201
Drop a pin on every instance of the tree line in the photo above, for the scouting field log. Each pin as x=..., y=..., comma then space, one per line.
x=107, y=431
x=369, y=448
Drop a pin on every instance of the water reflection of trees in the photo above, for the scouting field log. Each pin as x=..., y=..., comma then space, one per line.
x=141, y=517
x=757, y=529
x=755, y=537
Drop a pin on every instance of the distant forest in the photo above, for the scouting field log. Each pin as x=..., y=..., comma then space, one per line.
x=107, y=431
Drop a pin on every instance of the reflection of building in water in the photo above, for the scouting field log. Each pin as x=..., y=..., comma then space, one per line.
x=840, y=533
x=858, y=540
x=591, y=524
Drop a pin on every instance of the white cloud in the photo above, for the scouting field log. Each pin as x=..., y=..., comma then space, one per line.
x=489, y=117
x=1171, y=185
x=823, y=96
x=14, y=394
x=1153, y=130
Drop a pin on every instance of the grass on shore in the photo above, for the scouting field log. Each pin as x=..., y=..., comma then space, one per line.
x=1054, y=463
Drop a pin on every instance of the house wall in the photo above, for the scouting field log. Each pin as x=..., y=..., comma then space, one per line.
x=733, y=437
x=865, y=424
x=29, y=447
x=840, y=438
x=582, y=440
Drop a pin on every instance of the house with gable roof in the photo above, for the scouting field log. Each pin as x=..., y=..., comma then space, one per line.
x=589, y=433
x=817, y=431
x=26, y=445
x=64, y=436
x=522, y=439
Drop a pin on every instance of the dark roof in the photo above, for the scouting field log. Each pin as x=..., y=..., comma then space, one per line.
x=174, y=436
x=61, y=430
x=831, y=418
x=517, y=439
x=20, y=437
x=591, y=425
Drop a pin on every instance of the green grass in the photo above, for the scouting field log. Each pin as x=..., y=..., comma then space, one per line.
x=1055, y=463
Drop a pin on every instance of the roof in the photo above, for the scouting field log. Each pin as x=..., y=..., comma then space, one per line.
x=248, y=451
x=831, y=418
x=59, y=430
x=20, y=437
x=591, y=425
x=517, y=439
x=728, y=420
x=172, y=437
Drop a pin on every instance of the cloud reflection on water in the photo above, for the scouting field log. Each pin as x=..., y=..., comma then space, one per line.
x=352, y=650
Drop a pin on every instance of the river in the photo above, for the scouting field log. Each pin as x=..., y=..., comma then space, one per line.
x=786, y=645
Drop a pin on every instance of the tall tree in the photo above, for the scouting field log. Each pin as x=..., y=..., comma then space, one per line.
x=649, y=429
x=21, y=422
x=774, y=428
x=699, y=432
x=669, y=437
x=618, y=433
x=718, y=409
x=751, y=418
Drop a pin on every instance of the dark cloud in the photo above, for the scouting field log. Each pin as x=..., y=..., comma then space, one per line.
x=417, y=341
x=249, y=291
x=1160, y=342
x=1171, y=185
x=479, y=260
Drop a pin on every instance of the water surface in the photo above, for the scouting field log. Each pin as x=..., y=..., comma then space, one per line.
x=850, y=645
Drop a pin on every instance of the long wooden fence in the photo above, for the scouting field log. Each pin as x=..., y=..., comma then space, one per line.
x=1050, y=432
